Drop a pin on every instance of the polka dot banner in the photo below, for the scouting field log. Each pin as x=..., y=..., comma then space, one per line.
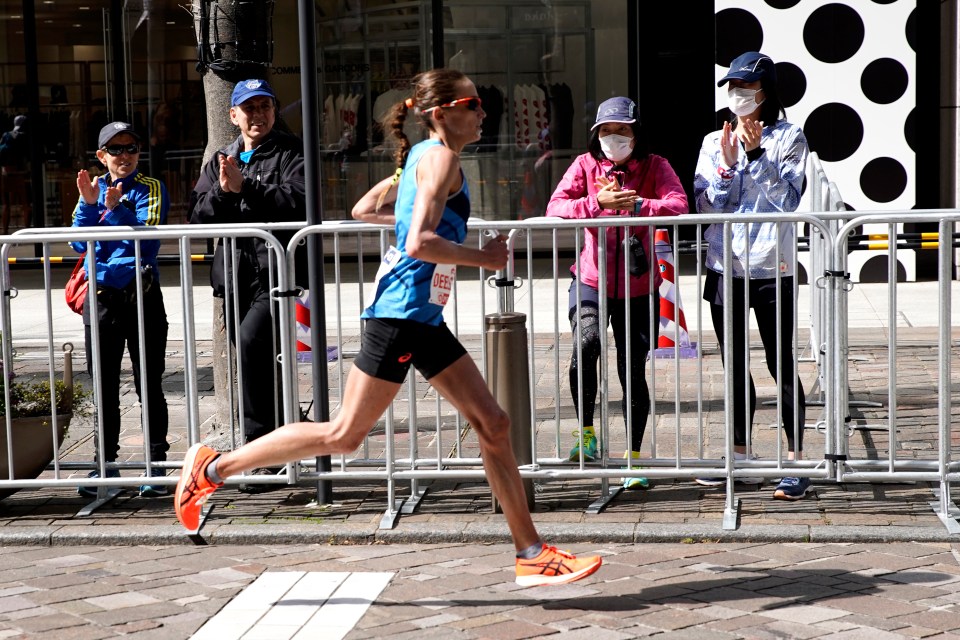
x=847, y=71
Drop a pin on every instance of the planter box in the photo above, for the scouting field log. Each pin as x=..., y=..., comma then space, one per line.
x=33, y=448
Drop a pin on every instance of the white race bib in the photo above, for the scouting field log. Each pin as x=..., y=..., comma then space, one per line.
x=390, y=260
x=441, y=286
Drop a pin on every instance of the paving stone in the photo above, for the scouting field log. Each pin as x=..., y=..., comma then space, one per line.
x=872, y=605
x=596, y=633
x=122, y=600
x=696, y=634
x=670, y=619
x=939, y=620
x=514, y=629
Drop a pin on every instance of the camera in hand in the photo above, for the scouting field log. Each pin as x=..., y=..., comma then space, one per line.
x=637, y=255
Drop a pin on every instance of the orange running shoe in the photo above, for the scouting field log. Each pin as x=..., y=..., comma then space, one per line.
x=194, y=487
x=554, y=566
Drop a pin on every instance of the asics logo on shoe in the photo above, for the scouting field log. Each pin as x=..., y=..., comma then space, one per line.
x=553, y=567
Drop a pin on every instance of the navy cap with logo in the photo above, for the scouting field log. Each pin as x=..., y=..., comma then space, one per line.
x=617, y=109
x=115, y=129
x=247, y=89
x=750, y=67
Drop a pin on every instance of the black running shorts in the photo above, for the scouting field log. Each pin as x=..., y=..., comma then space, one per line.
x=389, y=346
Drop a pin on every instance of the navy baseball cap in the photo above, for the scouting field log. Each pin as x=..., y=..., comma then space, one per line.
x=617, y=109
x=247, y=89
x=750, y=67
x=115, y=129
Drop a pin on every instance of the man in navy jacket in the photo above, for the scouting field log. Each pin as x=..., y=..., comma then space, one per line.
x=257, y=178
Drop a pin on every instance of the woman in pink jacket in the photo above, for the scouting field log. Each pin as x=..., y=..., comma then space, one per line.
x=616, y=177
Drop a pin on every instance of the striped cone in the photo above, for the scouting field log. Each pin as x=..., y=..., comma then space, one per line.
x=303, y=322
x=304, y=348
x=673, y=324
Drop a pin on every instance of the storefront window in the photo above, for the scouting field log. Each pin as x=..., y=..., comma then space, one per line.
x=87, y=78
x=534, y=66
x=534, y=62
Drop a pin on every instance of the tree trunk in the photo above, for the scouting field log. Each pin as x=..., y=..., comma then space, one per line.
x=231, y=47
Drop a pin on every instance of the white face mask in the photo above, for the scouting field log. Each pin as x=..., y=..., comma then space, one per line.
x=742, y=102
x=616, y=148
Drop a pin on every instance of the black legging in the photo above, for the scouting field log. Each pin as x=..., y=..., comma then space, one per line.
x=763, y=302
x=586, y=325
x=117, y=314
x=257, y=349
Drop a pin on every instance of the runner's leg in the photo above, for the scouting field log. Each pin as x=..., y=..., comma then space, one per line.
x=365, y=399
x=462, y=384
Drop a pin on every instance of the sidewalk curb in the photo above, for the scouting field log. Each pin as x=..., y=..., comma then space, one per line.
x=476, y=533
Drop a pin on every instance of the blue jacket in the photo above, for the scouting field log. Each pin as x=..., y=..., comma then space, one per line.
x=144, y=203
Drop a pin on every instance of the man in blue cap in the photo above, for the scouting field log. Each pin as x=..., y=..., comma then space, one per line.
x=257, y=178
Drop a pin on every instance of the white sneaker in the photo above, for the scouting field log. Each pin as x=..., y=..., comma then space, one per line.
x=751, y=481
x=719, y=482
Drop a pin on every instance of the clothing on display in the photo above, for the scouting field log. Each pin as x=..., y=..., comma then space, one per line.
x=542, y=117
x=343, y=127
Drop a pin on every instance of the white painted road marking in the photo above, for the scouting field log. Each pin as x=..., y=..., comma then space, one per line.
x=296, y=605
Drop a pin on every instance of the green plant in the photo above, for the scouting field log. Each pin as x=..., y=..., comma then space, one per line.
x=32, y=398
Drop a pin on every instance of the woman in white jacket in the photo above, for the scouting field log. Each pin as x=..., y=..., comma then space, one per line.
x=755, y=164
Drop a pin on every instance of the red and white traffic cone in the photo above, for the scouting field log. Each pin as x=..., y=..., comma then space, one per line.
x=303, y=324
x=304, y=343
x=673, y=324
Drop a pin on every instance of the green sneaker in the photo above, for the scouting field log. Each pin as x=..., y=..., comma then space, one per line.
x=634, y=483
x=590, y=446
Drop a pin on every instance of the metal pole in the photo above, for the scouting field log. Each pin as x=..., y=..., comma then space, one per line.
x=311, y=134
x=33, y=119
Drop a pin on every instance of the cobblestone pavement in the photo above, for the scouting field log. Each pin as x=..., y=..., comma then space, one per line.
x=852, y=559
x=453, y=591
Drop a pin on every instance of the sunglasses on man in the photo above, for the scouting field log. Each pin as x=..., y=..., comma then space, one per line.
x=472, y=103
x=117, y=149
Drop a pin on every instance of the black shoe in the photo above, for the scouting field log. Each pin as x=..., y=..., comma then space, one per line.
x=251, y=487
x=91, y=492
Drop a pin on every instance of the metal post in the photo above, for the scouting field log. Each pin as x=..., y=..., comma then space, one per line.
x=306, y=12
x=508, y=376
x=508, y=380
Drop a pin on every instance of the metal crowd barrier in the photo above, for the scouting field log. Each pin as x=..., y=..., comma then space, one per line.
x=60, y=321
x=897, y=466
x=421, y=439
x=546, y=316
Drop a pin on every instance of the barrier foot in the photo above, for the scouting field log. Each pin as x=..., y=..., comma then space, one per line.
x=606, y=496
x=731, y=516
x=389, y=518
x=410, y=504
x=103, y=497
x=950, y=519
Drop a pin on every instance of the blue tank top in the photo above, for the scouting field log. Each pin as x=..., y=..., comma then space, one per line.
x=408, y=288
